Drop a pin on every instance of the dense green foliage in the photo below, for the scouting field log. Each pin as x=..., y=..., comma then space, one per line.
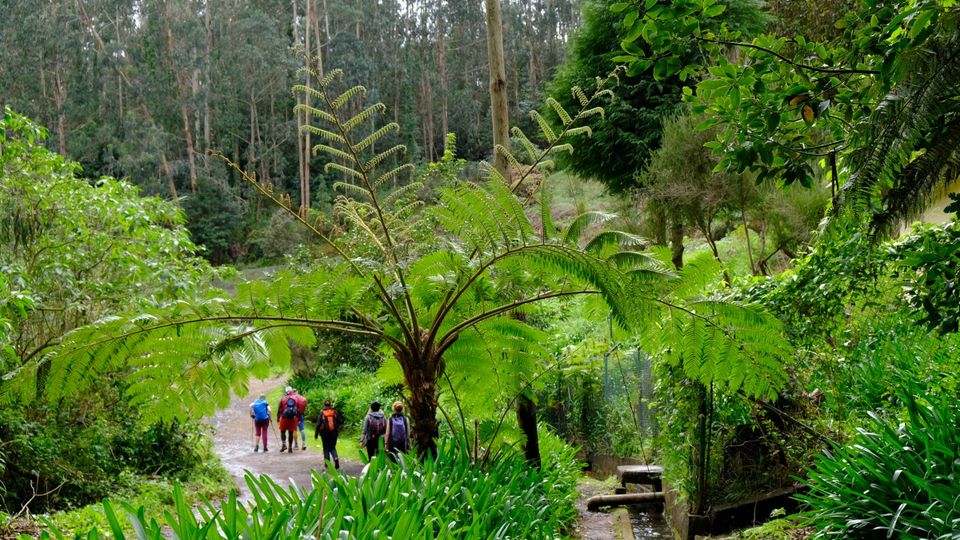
x=71, y=252
x=447, y=497
x=895, y=479
x=873, y=104
x=620, y=145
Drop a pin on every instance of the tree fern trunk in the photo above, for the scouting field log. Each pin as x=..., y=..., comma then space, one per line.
x=527, y=421
x=421, y=377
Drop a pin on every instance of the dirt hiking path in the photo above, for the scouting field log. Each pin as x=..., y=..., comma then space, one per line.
x=233, y=442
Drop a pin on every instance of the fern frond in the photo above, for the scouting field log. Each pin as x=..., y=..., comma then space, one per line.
x=580, y=224
x=401, y=192
x=580, y=130
x=568, y=148
x=330, y=136
x=313, y=111
x=330, y=77
x=354, y=191
x=375, y=136
x=506, y=153
x=548, y=133
x=562, y=113
x=364, y=115
x=580, y=96
x=531, y=149
x=335, y=152
x=393, y=174
x=343, y=98
x=343, y=169
x=627, y=260
x=606, y=239
x=548, y=230
x=592, y=112
x=379, y=158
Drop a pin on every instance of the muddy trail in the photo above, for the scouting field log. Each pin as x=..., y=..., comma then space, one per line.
x=233, y=442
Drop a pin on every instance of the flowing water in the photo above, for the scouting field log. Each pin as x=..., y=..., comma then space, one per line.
x=647, y=525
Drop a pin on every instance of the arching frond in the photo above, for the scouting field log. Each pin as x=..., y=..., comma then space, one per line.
x=393, y=174
x=606, y=239
x=335, y=152
x=562, y=113
x=357, y=175
x=382, y=156
x=545, y=129
x=328, y=135
x=364, y=115
x=375, y=136
x=576, y=229
x=352, y=191
x=343, y=98
x=910, y=140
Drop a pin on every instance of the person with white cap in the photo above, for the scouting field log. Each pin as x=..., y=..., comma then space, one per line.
x=288, y=416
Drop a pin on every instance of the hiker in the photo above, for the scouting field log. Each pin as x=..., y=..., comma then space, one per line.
x=328, y=428
x=374, y=427
x=301, y=411
x=260, y=413
x=289, y=416
x=398, y=432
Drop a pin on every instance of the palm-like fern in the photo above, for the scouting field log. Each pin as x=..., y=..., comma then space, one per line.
x=433, y=311
x=910, y=145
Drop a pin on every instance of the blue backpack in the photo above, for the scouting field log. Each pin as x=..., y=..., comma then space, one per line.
x=290, y=408
x=260, y=410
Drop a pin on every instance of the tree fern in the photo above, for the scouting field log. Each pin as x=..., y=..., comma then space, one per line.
x=908, y=147
x=444, y=315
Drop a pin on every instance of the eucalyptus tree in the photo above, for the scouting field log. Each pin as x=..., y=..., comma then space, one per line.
x=434, y=284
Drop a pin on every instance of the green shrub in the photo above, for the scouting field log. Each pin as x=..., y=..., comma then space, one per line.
x=892, y=481
x=446, y=497
x=351, y=390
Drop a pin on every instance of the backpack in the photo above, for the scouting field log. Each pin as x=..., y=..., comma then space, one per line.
x=398, y=432
x=329, y=420
x=378, y=426
x=290, y=408
x=260, y=411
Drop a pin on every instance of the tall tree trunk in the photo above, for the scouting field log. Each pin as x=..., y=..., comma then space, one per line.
x=305, y=195
x=676, y=242
x=59, y=96
x=442, y=60
x=184, y=114
x=527, y=421
x=208, y=49
x=302, y=153
x=498, y=86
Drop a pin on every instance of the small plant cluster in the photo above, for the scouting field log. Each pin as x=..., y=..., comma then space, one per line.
x=446, y=497
x=893, y=480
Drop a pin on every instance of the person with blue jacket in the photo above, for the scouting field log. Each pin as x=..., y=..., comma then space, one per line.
x=260, y=413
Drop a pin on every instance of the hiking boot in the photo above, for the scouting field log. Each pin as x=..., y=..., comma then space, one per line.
x=336, y=463
x=265, y=449
x=283, y=448
x=304, y=448
x=257, y=449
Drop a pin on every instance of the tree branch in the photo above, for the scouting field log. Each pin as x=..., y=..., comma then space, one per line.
x=832, y=71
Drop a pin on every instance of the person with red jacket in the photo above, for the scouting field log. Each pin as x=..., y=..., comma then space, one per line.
x=288, y=415
x=302, y=410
